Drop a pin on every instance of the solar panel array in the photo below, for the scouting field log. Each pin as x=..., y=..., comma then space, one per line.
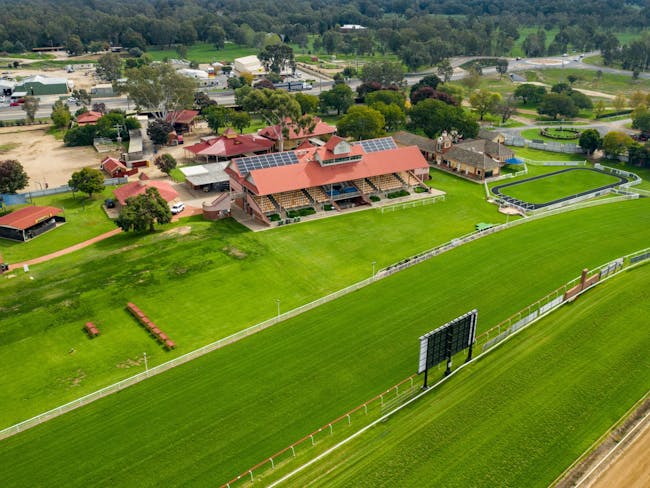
x=272, y=160
x=374, y=145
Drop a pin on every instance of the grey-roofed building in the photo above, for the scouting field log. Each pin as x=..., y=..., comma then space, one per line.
x=43, y=85
x=207, y=177
x=426, y=146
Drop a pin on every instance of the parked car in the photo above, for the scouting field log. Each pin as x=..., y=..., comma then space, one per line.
x=109, y=202
x=178, y=208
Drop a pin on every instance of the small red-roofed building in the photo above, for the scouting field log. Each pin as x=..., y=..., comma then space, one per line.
x=228, y=145
x=183, y=120
x=28, y=222
x=88, y=118
x=136, y=188
x=296, y=135
x=115, y=168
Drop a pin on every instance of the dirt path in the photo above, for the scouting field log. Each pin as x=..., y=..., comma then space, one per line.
x=632, y=466
x=67, y=250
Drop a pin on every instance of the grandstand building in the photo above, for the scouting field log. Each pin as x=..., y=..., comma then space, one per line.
x=336, y=175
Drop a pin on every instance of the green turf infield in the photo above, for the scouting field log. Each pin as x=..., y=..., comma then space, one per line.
x=559, y=185
x=519, y=416
x=206, y=421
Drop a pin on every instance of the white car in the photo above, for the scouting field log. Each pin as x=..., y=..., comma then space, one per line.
x=178, y=208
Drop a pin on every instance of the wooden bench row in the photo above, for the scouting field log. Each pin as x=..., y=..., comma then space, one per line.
x=92, y=330
x=158, y=334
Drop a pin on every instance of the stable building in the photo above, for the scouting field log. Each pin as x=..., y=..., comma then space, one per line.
x=28, y=222
x=139, y=187
x=297, y=135
x=43, y=85
x=229, y=145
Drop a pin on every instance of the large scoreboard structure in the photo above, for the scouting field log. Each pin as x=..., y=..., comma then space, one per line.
x=445, y=341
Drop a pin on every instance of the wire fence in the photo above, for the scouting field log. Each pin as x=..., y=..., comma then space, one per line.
x=396, y=396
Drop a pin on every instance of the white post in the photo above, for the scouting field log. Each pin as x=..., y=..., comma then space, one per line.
x=146, y=364
x=373, y=268
x=277, y=300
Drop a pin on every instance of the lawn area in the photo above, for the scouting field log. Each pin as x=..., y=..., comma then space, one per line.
x=519, y=416
x=85, y=219
x=559, y=185
x=177, y=175
x=212, y=418
x=609, y=83
x=203, y=52
x=539, y=155
x=536, y=134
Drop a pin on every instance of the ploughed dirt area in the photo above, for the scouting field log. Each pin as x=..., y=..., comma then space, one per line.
x=46, y=160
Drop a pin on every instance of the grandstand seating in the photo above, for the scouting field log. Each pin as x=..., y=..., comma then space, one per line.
x=317, y=194
x=292, y=199
x=364, y=186
x=408, y=178
x=386, y=182
x=265, y=203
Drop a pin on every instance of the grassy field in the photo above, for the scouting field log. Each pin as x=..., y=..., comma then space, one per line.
x=608, y=83
x=538, y=155
x=212, y=418
x=535, y=134
x=84, y=219
x=203, y=52
x=556, y=186
x=213, y=272
x=519, y=416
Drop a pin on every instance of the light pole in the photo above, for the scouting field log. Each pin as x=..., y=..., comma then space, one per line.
x=373, y=268
x=146, y=365
x=277, y=301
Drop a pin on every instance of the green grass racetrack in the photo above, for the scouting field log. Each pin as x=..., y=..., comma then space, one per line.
x=204, y=422
x=519, y=416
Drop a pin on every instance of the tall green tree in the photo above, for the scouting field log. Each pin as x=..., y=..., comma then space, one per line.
x=142, y=212
x=12, y=176
x=74, y=46
x=361, y=122
x=308, y=103
x=394, y=115
x=339, y=98
x=165, y=163
x=60, y=115
x=385, y=73
x=109, y=66
x=87, y=180
x=502, y=67
x=641, y=119
x=216, y=116
x=445, y=70
x=277, y=58
x=484, y=102
x=30, y=106
x=557, y=104
x=616, y=143
x=530, y=93
x=434, y=116
x=159, y=89
x=590, y=140
x=240, y=120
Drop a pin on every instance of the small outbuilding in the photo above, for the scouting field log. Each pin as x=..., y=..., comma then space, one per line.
x=115, y=168
x=136, y=188
x=183, y=120
x=28, y=222
x=207, y=177
x=88, y=118
x=43, y=85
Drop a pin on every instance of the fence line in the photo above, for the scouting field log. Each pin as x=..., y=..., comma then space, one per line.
x=504, y=329
x=383, y=273
x=556, y=163
x=66, y=188
x=412, y=203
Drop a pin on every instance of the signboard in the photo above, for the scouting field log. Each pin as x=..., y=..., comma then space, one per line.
x=445, y=341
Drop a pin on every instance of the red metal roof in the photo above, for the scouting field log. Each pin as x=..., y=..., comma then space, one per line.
x=308, y=172
x=230, y=145
x=27, y=217
x=88, y=118
x=110, y=165
x=139, y=187
x=320, y=129
x=182, y=117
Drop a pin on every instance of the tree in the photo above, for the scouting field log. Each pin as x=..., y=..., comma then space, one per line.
x=428, y=92
x=240, y=120
x=502, y=67
x=581, y=100
x=473, y=78
x=12, y=176
x=616, y=143
x=637, y=98
x=87, y=180
x=484, y=102
x=165, y=163
x=434, y=116
x=641, y=119
x=82, y=95
x=394, y=115
x=506, y=108
x=99, y=107
x=339, y=98
x=619, y=102
x=60, y=115
x=74, y=46
x=530, y=93
x=555, y=104
x=80, y=135
x=160, y=89
x=158, y=131
x=361, y=123
x=30, y=106
x=428, y=81
x=599, y=108
x=445, y=70
x=142, y=212
x=385, y=73
x=280, y=110
x=308, y=103
x=264, y=83
x=277, y=58
x=216, y=116
x=385, y=96
x=590, y=140
x=109, y=67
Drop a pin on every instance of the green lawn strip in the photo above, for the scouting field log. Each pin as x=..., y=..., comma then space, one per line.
x=226, y=411
x=203, y=52
x=555, y=187
x=539, y=155
x=520, y=415
x=177, y=175
x=535, y=133
x=85, y=219
x=609, y=82
x=221, y=275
